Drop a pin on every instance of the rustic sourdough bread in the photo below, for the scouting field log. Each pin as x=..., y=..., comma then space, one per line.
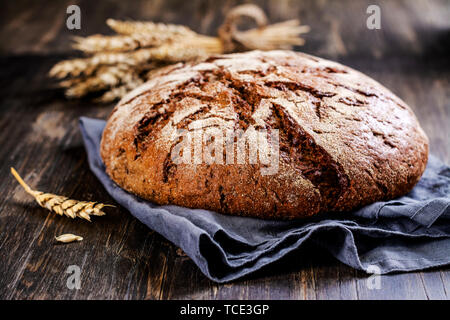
x=344, y=140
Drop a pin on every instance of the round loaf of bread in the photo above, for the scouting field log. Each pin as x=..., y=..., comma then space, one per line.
x=327, y=138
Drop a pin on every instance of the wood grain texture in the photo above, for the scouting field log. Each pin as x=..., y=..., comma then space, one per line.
x=119, y=257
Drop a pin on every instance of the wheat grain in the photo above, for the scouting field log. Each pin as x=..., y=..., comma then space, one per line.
x=68, y=237
x=62, y=205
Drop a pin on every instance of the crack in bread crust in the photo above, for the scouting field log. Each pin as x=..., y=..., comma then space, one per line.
x=312, y=161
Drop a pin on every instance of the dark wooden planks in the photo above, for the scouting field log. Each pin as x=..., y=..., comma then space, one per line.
x=47, y=150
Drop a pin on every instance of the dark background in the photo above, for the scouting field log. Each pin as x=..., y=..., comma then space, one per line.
x=119, y=257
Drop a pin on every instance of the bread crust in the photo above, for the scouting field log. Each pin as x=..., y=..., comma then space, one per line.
x=344, y=140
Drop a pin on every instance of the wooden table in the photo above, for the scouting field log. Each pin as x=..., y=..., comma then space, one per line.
x=120, y=258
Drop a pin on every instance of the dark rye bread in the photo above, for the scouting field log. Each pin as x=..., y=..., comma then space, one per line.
x=345, y=140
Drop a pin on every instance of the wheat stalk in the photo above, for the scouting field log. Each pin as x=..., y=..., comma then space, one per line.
x=123, y=43
x=160, y=31
x=169, y=53
x=68, y=237
x=281, y=35
x=62, y=205
x=98, y=43
x=88, y=66
x=165, y=53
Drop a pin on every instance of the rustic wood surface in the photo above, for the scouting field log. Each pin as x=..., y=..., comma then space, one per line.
x=120, y=258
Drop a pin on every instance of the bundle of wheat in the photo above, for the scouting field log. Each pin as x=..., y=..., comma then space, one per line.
x=119, y=63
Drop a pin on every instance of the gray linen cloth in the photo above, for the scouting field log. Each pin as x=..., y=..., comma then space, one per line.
x=408, y=233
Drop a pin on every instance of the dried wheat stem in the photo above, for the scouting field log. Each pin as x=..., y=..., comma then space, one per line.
x=212, y=45
x=62, y=205
x=22, y=183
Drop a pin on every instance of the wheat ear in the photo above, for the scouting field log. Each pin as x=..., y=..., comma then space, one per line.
x=157, y=30
x=62, y=205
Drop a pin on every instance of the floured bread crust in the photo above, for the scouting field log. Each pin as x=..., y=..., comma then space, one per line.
x=344, y=140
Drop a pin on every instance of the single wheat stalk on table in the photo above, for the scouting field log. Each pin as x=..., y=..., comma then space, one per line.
x=62, y=205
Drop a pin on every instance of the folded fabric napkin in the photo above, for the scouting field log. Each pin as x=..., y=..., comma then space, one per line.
x=409, y=233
